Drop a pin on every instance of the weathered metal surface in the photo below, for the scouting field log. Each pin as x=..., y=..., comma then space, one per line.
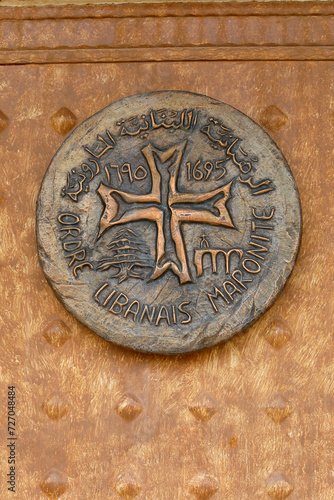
x=168, y=222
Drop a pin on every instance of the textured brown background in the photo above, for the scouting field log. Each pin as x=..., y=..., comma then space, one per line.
x=216, y=411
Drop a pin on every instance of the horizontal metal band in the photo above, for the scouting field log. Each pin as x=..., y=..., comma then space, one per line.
x=198, y=9
x=172, y=32
x=58, y=56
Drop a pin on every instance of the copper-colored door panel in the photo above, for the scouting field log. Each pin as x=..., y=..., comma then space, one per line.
x=251, y=419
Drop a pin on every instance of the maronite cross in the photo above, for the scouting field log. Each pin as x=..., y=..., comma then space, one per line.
x=162, y=206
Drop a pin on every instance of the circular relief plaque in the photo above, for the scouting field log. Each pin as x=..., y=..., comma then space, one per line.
x=168, y=222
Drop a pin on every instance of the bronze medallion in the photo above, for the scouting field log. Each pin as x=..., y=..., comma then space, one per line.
x=168, y=222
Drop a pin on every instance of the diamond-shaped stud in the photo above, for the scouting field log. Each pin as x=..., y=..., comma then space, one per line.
x=279, y=486
x=127, y=486
x=53, y=484
x=55, y=407
x=278, y=334
x=57, y=333
x=129, y=407
x=63, y=121
x=203, y=486
x=233, y=441
x=273, y=118
x=278, y=408
x=204, y=407
x=4, y=121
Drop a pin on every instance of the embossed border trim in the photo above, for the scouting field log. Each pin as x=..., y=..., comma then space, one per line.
x=59, y=56
x=251, y=8
x=274, y=31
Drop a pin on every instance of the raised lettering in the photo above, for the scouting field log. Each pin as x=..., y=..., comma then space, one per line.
x=64, y=222
x=69, y=232
x=182, y=310
x=240, y=280
x=75, y=257
x=251, y=271
x=81, y=266
x=234, y=289
x=161, y=316
x=258, y=248
x=146, y=312
x=131, y=311
x=215, y=296
x=68, y=245
x=109, y=297
x=99, y=291
x=263, y=216
x=255, y=228
x=118, y=303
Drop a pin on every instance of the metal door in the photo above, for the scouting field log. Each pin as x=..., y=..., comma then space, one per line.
x=251, y=419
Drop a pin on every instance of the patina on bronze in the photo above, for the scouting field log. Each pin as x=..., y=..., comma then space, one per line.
x=168, y=222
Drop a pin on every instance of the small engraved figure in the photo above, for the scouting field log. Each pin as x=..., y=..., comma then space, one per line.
x=130, y=255
x=214, y=252
x=204, y=242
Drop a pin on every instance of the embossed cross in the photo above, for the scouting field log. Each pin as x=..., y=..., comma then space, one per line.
x=164, y=207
